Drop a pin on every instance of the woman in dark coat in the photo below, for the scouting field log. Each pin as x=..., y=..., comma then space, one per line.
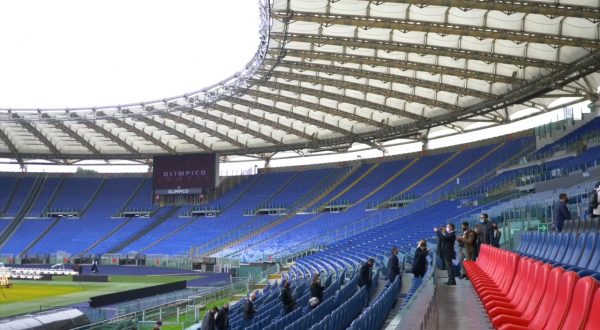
x=419, y=266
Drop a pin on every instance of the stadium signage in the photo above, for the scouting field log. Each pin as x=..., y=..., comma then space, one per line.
x=185, y=191
x=185, y=174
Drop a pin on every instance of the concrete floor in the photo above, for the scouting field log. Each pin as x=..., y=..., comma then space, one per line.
x=460, y=307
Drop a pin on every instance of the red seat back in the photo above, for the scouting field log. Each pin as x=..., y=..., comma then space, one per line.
x=532, y=282
x=563, y=301
x=581, y=303
x=543, y=279
x=593, y=321
x=555, y=280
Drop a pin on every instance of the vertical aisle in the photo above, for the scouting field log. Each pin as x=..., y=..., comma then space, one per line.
x=459, y=306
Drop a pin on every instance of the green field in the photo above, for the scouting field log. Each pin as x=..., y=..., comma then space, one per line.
x=29, y=296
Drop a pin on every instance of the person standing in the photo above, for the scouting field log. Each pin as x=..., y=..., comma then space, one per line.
x=466, y=247
x=287, y=298
x=485, y=232
x=208, y=323
x=393, y=265
x=496, y=236
x=222, y=319
x=439, y=262
x=316, y=292
x=365, y=274
x=249, y=308
x=419, y=265
x=594, y=206
x=448, y=254
x=560, y=212
x=94, y=266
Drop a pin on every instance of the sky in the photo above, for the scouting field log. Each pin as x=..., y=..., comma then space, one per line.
x=81, y=53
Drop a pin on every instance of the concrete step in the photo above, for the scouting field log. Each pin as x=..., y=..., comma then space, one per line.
x=275, y=277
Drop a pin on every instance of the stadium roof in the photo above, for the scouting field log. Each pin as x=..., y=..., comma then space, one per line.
x=329, y=74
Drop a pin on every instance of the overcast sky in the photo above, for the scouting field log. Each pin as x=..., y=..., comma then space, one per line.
x=73, y=53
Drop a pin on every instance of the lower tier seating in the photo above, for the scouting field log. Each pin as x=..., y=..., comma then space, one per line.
x=523, y=293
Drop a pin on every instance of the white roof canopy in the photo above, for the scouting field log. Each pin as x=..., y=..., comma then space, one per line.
x=332, y=73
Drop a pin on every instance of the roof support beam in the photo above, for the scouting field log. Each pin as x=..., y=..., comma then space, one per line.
x=411, y=82
x=13, y=150
x=202, y=128
x=260, y=120
x=315, y=106
x=290, y=114
x=109, y=135
x=527, y=91
x=403, y=65
x=390, y=46
x=439, y=28
x=205, y=114
x=141, y=133
x=367, y=89
x=173, y=131
x=39, y=135
x=552, y=9
x=60, y=125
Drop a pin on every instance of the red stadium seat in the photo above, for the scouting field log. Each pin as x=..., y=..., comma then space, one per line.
x=519, y=280
x=581, y=303
x=593, y=321
x=553, y=308
x=538, y=275
x=548, y=277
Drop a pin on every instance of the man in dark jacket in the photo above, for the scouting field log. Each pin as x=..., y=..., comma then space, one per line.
x=448, y=240
x=560, y=212
x=485, y=232
x=249, y=307
x=419, y=265
x=222, y=320
x=209, y=319
x=393, y=265
x=365, y=273
x=287, y=298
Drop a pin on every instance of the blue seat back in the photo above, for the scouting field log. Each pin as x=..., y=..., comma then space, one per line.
x=588, y=250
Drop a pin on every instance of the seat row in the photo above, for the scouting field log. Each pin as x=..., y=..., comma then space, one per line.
x=576, y=252
x=524, y=293
x=582, y=226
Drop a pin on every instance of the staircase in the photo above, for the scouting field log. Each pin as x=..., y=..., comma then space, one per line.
x=424, y=177
x=135, y=236
x=464, y=170
x=133, y=195
x=178, y=229
x=354, y=183
x=233, y=241
x=280, y=189
x=53, y=197
x=11, y=196
x=525, y=151
x=238, y=197
x=383, y=185
x=93, y=198
x=27, y=204
x=105, y=237
x=40, y=236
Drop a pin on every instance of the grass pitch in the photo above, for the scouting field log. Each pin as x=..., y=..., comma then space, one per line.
x=31, y=296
